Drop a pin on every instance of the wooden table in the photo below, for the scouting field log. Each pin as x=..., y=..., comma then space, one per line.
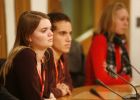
x=82, y=93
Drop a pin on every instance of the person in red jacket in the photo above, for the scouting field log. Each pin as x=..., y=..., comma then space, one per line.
x=108, y=54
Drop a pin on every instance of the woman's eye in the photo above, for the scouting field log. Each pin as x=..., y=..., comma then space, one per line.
x=43, y=30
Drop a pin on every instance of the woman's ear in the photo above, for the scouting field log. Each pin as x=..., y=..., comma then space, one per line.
x=29, y=39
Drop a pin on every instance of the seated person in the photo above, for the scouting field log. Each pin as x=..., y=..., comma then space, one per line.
x=108, y=51
x=62, y=29
x=25, y=70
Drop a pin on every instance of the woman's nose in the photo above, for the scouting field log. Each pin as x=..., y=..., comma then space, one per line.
x=50, y=33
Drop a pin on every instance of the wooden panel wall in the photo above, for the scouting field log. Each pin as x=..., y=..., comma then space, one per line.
x=3, y=47
x=21, y=6
x=54, y=6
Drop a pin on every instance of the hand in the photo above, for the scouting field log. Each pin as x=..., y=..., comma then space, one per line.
x=67, y=88
x=64, y=88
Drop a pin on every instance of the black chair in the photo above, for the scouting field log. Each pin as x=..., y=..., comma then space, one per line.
x=5, y=95
x=76, y=61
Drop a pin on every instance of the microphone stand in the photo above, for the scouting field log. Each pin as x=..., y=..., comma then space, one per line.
x=93, y=91
x=137, y=94
x=135, y=69
x=104, y=85
x=131, y=65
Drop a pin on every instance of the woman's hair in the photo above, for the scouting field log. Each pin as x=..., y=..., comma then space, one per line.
x=56, y=17
x=107, y=20
x=28, y=22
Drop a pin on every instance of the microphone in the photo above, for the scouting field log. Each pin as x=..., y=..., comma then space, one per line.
x=104, y=85
x=93, y=91
x=132, y=96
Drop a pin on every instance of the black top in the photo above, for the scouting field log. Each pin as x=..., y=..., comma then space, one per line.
x=23, y=80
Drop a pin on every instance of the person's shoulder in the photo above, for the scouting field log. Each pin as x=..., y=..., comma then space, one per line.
x=49, y=53
x=100, y=36
x=26, y=53
x=50, y=50
x=99, y=39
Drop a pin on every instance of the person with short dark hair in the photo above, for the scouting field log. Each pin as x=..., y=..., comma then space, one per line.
x=61, y=84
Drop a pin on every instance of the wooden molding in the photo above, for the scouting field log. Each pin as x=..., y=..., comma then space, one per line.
x=54, y=6
x=3, y=44
x=21, y=6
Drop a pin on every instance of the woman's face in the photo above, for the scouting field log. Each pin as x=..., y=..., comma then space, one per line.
x=42, y=37
x=121, y=21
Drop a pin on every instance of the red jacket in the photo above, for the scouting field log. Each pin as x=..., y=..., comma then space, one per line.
x=95, y=63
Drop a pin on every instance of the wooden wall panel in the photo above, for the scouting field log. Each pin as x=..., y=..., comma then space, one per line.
x=98, y=7
x=54, y=6
x=3, y=46
x=21, y=6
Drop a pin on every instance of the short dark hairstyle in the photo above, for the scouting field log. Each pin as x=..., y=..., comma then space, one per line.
x=56, y=17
